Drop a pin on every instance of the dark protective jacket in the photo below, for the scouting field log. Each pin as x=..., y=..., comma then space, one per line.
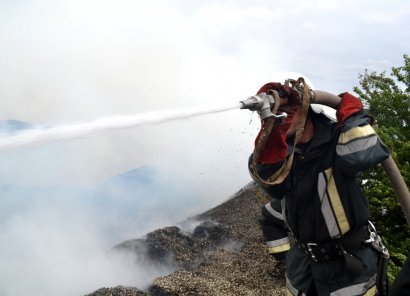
x=321, y=198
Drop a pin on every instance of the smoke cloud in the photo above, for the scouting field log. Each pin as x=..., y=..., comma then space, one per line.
x=57, y=240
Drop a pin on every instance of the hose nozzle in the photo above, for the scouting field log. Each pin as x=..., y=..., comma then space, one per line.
x=261, y=103
x=253, y=103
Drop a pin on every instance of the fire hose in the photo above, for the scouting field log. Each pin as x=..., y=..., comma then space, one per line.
x=267, y=105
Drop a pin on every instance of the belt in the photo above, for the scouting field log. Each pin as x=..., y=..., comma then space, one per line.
x=322, y=252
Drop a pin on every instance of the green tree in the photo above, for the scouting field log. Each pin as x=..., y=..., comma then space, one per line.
x=387, y=99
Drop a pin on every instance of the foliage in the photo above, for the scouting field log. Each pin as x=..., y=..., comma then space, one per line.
x=387, y=98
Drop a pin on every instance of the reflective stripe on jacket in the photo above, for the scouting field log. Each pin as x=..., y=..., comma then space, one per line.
x=274, y=229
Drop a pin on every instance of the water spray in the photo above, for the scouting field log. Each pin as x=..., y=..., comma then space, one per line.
x=37, y=136
x=82, y=130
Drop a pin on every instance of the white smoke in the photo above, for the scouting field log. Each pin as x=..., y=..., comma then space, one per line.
x=60, y=250
x=77, y=61
x=57, y=241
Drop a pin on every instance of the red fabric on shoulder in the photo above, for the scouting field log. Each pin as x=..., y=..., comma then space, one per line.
x=349, y=105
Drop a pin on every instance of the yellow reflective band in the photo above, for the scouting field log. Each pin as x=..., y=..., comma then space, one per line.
x=355, y=133
x=366, y=289
x=278, y=242
x=288, y=292
x=336, y=202
x=371, y=292
x=358, y=145
x=279, y=249
x=291, y=290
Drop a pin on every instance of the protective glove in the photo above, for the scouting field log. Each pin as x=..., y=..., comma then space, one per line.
x=290, y=96
x=348, y=106
x=276, y=148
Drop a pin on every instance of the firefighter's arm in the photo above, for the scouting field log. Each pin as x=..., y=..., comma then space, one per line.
x=358, y=146
x=274, y=229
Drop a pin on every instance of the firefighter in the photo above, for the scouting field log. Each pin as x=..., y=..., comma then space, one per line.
x=320, y=205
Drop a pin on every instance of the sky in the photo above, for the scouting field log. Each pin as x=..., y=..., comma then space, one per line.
x=71, y=61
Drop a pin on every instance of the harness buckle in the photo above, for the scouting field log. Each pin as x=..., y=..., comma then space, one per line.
x=372, y=237
x=372, y=233
x=376, y=241
x=310, y=250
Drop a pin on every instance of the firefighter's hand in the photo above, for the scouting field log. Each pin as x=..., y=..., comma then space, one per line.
x=276, y=147
x=290, y=101
x=348, y=106
x=288, y=95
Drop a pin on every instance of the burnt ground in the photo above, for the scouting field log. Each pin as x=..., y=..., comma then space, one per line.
x=223, y=254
